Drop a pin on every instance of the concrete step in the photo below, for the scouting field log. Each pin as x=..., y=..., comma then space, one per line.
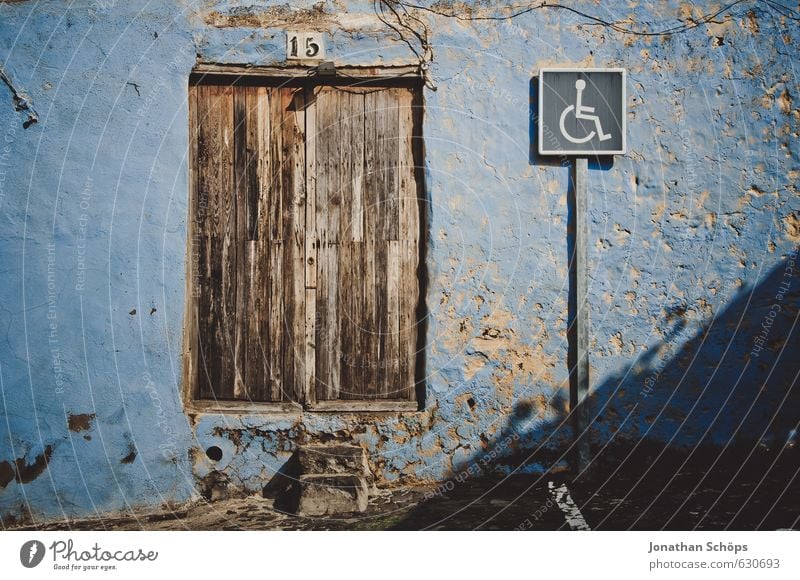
x=338, y=458
x=333, y=478
x=328, y=494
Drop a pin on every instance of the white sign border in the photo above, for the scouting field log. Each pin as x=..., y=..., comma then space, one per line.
x=592, y=153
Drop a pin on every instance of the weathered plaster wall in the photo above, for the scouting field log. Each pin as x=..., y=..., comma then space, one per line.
x=692, y=232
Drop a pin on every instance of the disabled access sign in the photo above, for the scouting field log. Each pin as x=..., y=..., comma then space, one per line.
x=581, y=111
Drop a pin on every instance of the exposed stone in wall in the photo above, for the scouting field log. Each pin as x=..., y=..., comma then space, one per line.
x=80, y=422
x=21, y=100
x=22, y=471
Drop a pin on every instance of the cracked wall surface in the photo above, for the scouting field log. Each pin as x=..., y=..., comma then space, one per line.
x=692, y=236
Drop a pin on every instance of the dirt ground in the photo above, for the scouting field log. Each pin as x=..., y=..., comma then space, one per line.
x=649, y=489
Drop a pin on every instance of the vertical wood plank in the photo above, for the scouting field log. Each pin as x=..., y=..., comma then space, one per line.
x=369, y=340
x=311, y=242
x=309, y=385
x=240, y=253
x=311, y=239
x=408, y=304
x=389, y=120
x=393, y=384
x=256, y=248
x=348, y=316
x=373, y=175
x=353, y=162
x=294, y=124
x=356, y=165
x=276, y=317
x=333, y=339
x=207, y=368
x=322, y=161
x=408, y=228
x=321, y=309
x=228, y=235
x=276, y=152
x=195, y=234
x=217, y=287
x=380, y=338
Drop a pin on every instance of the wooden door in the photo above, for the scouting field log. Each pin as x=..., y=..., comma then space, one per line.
x=305, y=243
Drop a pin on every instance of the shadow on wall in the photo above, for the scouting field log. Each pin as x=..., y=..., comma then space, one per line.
x=702, y=405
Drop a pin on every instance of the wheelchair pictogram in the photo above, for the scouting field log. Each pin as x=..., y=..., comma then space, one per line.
x=584, y=113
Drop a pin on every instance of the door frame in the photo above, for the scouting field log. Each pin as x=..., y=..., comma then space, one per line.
x=303, y=76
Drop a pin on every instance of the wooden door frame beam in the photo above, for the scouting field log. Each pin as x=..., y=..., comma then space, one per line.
x=208, y=73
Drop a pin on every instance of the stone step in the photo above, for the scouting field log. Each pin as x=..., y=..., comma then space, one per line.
x=331, y=493
x=333, y=459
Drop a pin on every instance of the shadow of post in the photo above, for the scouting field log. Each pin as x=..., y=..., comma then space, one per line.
x=698, y=431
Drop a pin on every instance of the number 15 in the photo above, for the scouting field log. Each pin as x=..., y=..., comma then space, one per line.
x=303, y=45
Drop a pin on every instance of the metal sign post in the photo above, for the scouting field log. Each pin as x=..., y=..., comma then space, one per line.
x=581, y=114
x=579, y=333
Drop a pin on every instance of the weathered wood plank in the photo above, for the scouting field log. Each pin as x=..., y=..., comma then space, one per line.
x=406, y=72
x=375, y=406
x=241, y=254
x=349, y=314
x=392, y=387
x=369, y=339
x=253, y=288
x=321, y=309
x=311, y=237
x=276, y=152
x=276, y=317
x=311, y=242
x=259, y=346
x=195, y=235
x=373, y=173
x=217, y=289
x=381, y=340
x=228, y=238
x=322, y=160
x=333, y=329
x=353, y=163
x=408, y=290
x=328, y=349
x=408, y=228
x=208, y=342
x=309, y=385
x=388, y=121
x=295, y=162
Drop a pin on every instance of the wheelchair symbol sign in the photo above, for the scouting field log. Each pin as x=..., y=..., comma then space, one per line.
x=581, y=111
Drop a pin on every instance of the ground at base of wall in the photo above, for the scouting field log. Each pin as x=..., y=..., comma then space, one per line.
x=643, y=487
x=491, y=503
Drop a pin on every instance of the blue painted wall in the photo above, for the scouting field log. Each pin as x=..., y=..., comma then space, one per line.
x=693, y=235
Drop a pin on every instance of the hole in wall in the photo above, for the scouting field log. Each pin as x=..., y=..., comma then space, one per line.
x=214, y=453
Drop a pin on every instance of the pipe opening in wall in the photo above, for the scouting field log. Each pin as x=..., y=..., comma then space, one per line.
x=214, y=453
